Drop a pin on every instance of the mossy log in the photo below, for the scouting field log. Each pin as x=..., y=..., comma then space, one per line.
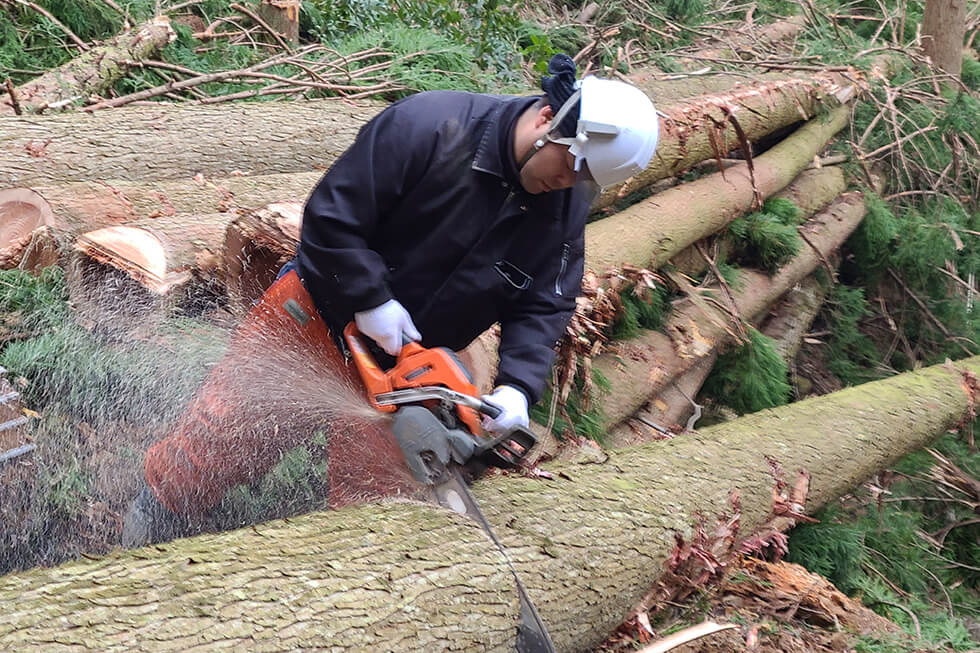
x=643, y=366
x=90, y=73
x=63, y=211
x=406, y=576
x=652, y=231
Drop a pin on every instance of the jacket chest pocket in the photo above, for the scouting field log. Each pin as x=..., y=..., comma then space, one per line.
x=516, y=278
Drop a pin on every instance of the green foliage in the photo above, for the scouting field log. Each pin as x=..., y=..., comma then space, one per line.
x=855, y=544
x=33, y=303
x=71, y=368
x=684, y=9
x=851, y=355
x=872, y=242
x=640, y=312
x=970, y=73
x=767, y=239
x=783, y=209
x=749, y=378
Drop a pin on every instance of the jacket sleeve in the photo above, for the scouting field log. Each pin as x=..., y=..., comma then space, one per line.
x=336, y=262
x=530, y=330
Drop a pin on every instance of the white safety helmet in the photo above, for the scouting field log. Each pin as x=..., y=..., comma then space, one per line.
x=617, y=129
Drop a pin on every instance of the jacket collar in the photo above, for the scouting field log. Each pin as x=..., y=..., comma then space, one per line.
x=494, y=154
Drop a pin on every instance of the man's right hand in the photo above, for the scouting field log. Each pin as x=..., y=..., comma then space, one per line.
x=386, y=324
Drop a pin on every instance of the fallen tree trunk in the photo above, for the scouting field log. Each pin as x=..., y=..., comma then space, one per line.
x=786, y=324
x=705, y=127
x=588, y=546
x=70, y=209
x=90, y=73
x=149, y=142
x=679, y=216
x=178, y=141
x=643, y=366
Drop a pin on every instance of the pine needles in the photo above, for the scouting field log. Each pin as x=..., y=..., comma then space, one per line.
x=767, y=238
x=749, y=378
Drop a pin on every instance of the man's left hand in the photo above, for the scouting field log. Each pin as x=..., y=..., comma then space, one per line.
x=513, y=407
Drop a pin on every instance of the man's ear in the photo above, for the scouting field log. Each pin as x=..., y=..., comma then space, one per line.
x=543, y=117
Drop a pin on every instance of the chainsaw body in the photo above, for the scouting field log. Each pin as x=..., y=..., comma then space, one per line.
x=436, y=380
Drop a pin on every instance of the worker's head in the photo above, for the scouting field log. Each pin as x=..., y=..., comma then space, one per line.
x=597, y=129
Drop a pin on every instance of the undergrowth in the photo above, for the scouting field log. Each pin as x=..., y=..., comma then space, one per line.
x=750, y=377
x=916, y=548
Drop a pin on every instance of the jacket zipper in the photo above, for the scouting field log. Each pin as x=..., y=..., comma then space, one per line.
x=561, y=271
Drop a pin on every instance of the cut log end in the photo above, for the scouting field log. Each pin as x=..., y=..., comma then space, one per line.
x=26, y=221
x=137, y=252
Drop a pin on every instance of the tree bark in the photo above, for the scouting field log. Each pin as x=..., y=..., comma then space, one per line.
x=92, y=72
x=149, y=142
x=174, y=142
x=70, y=209
x=701, y=128
x=406, y=576
x=643, y=366
x=786, y=324
x=943, y=29
x=677, y=217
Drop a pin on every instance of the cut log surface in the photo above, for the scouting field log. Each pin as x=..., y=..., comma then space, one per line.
x=160, y=253
x=643, y=366
x=26, y=224
x=256, y=245
x=92, y=72
x=405, y=576
x=172, y=142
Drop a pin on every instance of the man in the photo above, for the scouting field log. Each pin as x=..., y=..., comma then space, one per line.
x=451, y=212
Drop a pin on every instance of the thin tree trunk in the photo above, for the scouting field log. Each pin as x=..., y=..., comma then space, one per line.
x=943, y=30
x=652, y=231
x=92, y=72
x=282, y=17
x=643, y=366
x=406, y=576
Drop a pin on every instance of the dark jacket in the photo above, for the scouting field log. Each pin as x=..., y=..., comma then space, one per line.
x=426, y=207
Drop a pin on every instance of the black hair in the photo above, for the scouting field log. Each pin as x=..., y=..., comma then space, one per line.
x=558, y=86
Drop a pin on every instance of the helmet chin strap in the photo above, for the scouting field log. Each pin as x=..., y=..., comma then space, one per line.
x=535, y=147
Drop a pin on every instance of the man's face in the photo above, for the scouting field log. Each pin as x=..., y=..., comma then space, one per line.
x=551, y=168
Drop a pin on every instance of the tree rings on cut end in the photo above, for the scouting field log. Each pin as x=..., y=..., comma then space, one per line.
x=26, y=222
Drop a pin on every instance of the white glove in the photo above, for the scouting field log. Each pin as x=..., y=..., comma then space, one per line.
x=385, y=325
x=513, y=403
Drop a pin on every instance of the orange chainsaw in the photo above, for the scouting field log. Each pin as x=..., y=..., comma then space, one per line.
x=437, y=425
x=435, y=378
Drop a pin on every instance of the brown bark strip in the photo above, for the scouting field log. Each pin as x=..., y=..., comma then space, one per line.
x=589, y=544
x=94, y=71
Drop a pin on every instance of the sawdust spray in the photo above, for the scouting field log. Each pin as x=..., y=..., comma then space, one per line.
x=113, y=375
